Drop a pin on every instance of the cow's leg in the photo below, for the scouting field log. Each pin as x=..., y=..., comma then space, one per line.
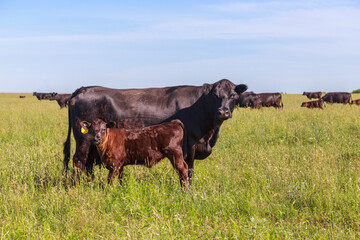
x=113, y=172
x=181, y=167
x=190, y=162
x=90, y=161
x=80, y=157
x=110, y=178
x=120, y=175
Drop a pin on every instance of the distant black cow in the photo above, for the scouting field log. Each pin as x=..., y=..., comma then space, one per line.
x=248, y=99
x=311, y=95
x=211, y=105
x=21, y=96
x=62, y=99
x=44, y=96
x=313, y=104
x=356, y=102
x=337, y=97
x=270, y=100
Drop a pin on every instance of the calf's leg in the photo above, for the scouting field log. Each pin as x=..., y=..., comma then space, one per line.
x=181, y=167
x=113, y=172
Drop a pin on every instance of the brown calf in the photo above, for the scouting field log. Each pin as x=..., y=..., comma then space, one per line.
x=356, y=102
x=313, y=104
x=119, y=147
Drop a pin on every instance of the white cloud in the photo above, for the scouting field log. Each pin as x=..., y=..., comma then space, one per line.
x=291, y=20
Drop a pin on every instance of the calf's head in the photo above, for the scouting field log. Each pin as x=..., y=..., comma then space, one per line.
x=97, y=129
x=222, y=98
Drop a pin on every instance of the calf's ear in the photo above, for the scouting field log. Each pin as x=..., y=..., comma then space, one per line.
x=85, y=124
x=241, y=88
x=111, y=124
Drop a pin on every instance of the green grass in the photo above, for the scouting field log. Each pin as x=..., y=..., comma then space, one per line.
x=274, y=174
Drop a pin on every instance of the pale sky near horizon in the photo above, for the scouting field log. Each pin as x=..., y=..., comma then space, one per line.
x=285, y=46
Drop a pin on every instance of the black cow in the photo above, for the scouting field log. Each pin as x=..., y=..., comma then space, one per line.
x=311, y=95
x=145, y=107
x=270, y=100
x=61, y=99
x=248, y=99
x=203, y=119
x=44, y=96
x=337, y=97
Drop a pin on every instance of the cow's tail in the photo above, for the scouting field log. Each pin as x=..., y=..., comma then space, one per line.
x=67, y=143
x=281, y=102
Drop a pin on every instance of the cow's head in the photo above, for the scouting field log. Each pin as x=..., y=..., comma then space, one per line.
x=223, y=95
x=97, y=129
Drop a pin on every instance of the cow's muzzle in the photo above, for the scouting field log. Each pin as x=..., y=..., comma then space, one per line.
x=224, y=113
x=97, y=141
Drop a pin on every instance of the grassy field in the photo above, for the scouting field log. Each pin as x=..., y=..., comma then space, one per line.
x=274, y=174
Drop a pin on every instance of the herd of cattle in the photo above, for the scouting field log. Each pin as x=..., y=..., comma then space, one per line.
x=119, y=127
x=331, y=97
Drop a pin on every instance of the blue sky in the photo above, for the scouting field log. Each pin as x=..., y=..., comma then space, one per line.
x=287, y=46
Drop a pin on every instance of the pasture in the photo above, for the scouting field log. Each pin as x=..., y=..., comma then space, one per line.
x=274, y=174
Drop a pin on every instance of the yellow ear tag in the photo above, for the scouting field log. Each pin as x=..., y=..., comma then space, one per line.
x=84, y=131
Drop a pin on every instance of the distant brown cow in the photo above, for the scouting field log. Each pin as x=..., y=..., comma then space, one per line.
x=270, y=100
x=313, y=104
x=337, y=97
x=356, y=102
x=119, y=147
x=62, y=99
x=21, y=96
x=311, y=95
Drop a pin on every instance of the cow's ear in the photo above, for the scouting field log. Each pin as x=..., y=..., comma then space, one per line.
x=241, y=88
x=111, y=124
x=85, y=124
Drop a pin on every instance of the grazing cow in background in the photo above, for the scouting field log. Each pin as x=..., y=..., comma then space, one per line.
x=311, y=95
x=270, y=100
x=145, y=107
x=248, y=99
x=119, y=147
x=337, y=97
x=62, y=99
x=21, y=96
x=44, y=96
x=313, y=104
x=356, y=102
